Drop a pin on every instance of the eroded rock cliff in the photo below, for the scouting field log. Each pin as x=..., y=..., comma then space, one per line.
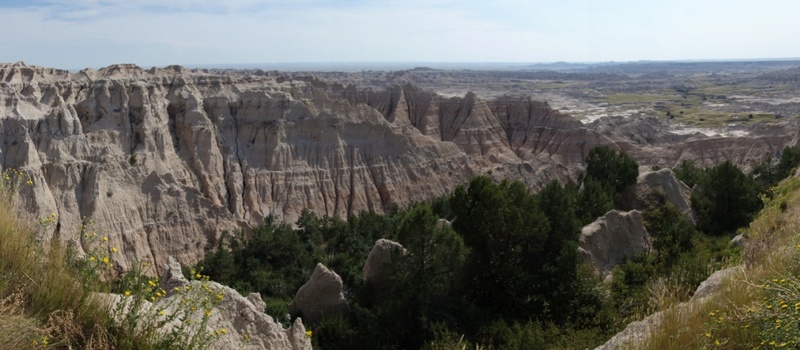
x=163, y=160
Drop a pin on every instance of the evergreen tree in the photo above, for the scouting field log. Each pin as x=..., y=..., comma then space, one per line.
x=559, y=259
x=616, y=169
x=594, y=200
x=689, y=173
x=672, y=235
x=423, y=279
x=726, y=200
x=506, y=231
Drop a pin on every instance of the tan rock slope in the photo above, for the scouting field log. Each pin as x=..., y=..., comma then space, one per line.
x=164, y=160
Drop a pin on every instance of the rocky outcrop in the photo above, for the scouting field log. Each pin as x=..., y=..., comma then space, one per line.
x=172, y=276
x=713, y=283
x=613, y=238
x=655, y=188
x=376, y=268
x=323, y=294
x=205, y=309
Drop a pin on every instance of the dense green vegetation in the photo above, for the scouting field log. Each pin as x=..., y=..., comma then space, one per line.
x=507, y=274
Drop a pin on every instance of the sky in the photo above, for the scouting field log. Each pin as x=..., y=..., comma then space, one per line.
x=75, y=34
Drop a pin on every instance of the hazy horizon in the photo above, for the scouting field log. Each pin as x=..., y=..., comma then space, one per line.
x=74, y=34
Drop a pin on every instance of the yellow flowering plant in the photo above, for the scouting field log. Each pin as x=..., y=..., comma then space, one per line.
x=771, y=321
x=12, y=180
x=178, y=317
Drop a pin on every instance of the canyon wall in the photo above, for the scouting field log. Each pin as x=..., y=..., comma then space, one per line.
x=164, y=160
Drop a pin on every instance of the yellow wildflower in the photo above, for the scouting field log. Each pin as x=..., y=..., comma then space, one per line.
x=309, y=333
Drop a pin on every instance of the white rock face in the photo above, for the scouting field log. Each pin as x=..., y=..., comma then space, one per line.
x=322, y=294
x=613, y=238
x=165, y=160
x=654, y=188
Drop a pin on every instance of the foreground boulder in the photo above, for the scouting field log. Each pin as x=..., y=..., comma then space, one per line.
x=378, y=267
x=612, y=238
x=207, y=312
x=322, y=294
x=378, y=263
x=655, y=188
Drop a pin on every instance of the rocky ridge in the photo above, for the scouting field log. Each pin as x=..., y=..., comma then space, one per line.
x=163, y=160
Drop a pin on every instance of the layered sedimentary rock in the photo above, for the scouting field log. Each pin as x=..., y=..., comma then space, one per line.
x=163, y=160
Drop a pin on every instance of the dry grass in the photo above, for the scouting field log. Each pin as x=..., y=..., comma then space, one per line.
x=724, y=320
x=44, y=302
x=49, y=300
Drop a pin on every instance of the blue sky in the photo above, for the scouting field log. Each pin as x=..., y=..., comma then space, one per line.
x=94, y=33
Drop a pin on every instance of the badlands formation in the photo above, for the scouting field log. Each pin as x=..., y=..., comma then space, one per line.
x=164, y=160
